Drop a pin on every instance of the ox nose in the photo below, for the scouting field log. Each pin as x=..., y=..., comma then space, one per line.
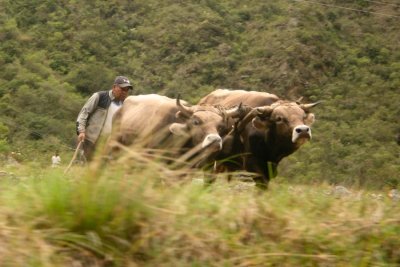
x=301, y=131
x=212, y=139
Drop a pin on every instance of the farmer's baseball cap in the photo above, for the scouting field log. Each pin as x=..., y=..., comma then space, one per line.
x=123, y=81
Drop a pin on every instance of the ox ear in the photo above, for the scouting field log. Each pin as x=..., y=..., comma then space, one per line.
x=265, y=111
x=310, y=118
x=260, y=124
x=178, y=129
x=250, y=116
x=181, y=115
x=261, y=121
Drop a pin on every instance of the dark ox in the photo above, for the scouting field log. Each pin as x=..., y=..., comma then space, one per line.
x=159, y=122
x=273, y=130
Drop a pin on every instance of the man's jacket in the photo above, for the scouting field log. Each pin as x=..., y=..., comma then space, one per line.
x=92, y=117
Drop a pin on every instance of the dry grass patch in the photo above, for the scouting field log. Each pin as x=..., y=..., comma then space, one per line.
x=131, y=214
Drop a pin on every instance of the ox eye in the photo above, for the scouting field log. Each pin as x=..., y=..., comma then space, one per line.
x=221, y=128
x=196, y=122
x=280, y=120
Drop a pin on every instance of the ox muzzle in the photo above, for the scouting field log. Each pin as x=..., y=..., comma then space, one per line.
x=301, y=132
x=212, y=140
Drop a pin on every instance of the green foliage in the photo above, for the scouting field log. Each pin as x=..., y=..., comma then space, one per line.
x=3, y=131
x=4, y=146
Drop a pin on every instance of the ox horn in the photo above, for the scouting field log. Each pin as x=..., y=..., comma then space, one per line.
x=265, y=111
x=248, y=118
x=298, y=101
x=186, y=111
x=307, y=107
x=238, y=112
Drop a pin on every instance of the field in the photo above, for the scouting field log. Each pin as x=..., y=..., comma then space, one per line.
x=136, y=213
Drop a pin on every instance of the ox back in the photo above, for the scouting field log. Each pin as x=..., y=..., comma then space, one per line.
x=143, y=120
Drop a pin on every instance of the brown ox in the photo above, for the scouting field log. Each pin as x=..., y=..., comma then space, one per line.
x=273, y=130
x=155, y=121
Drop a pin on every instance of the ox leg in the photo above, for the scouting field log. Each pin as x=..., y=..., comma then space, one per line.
x=221, y=167
x=261, y=183
x=261, y=179
x=209, y=177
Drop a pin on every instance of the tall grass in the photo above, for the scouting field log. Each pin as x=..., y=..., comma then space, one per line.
x=133, y=213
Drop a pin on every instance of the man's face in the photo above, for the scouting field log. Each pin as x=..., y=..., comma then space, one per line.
x=120, y=93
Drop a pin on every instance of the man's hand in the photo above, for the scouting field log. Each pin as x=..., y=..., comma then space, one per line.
x=81, y=137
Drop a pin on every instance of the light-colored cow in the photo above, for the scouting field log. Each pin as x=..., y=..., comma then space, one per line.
x=274, y=129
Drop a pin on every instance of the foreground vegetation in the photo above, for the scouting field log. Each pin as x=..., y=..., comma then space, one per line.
x=133, y=214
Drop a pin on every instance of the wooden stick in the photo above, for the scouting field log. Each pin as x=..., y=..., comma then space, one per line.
x=74, y=156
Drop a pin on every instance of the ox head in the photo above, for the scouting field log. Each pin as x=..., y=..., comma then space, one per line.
x=204, y=125
x=289, y=120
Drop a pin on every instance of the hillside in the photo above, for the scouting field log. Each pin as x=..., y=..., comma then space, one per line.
x=54, y=54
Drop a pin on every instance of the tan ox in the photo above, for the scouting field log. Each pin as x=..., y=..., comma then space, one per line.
x=273, y=130
x=155, y=121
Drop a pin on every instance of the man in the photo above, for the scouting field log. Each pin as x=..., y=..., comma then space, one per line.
x=55, y=160
x=95, y=118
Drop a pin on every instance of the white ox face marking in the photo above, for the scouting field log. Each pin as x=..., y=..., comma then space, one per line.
x=301, y=133
x=212, y=139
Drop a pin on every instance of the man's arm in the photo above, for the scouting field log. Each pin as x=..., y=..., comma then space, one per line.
x=86, y=111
